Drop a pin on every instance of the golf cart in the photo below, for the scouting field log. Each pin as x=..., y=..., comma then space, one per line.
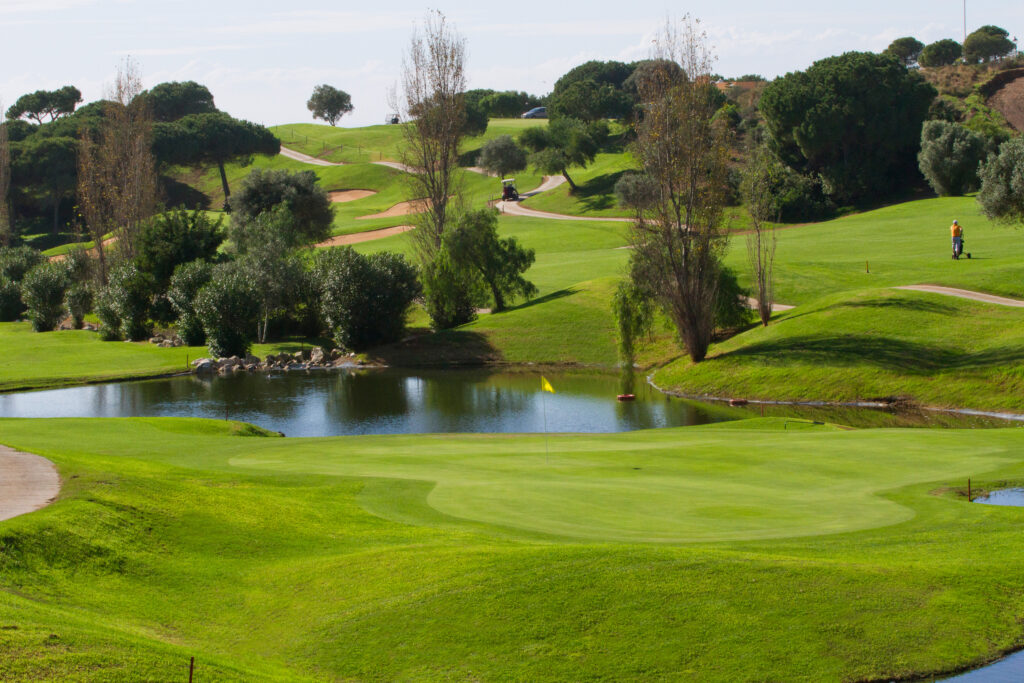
x=508, y=190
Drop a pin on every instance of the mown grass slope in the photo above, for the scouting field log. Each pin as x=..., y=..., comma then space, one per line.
x=632, y=556
x=887, y=343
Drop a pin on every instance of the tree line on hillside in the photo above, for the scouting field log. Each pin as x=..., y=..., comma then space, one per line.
x=256, y=278
x=45, y=134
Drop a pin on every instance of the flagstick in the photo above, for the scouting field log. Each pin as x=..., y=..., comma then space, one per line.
x=544, y=411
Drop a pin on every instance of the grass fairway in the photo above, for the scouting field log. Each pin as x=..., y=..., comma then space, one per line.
x=933, y=349
x=376, y=143
x=737, y=552
x=33, y=360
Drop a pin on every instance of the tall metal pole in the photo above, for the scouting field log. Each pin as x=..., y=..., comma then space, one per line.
x=965, y=21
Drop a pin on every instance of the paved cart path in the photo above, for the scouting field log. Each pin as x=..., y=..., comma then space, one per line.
x=27, y=482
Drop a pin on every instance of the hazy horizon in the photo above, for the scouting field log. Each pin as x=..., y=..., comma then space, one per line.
x=261, y=63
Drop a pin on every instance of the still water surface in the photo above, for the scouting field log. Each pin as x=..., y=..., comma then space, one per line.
x=387, y=401
x=396, y=401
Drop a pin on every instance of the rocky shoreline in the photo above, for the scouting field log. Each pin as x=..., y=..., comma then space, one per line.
x=309, y=360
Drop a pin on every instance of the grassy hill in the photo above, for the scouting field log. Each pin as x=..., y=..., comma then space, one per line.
x=738, y=552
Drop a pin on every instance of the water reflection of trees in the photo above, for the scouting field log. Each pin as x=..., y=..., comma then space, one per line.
x=361, y=396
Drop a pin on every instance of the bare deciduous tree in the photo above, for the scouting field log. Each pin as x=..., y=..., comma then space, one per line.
x=756, y=189
x=5, y=184
x=117, y=172
x=433, y=82
x=678, y=239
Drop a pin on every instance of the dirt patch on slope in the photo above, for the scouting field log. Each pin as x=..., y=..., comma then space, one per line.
x=1009, y=101
x=400, y=209
x=368, y=236
x=341, y=196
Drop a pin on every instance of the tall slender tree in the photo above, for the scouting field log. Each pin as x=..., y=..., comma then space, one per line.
x=756, y=189
x=678, y=238
x=117, y=172
x=433, y=85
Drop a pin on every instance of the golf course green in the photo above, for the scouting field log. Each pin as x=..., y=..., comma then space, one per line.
x=760, y=550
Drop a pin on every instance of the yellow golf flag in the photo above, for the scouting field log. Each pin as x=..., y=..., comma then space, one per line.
x=546, y=385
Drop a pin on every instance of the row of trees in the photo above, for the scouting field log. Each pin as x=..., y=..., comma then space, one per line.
x=985, y=44
x=43, y=159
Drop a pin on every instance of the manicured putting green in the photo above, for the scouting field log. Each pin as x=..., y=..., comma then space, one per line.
x=658, y=486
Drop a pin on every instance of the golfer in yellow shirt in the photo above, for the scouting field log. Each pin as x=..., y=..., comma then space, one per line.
x=958, y=239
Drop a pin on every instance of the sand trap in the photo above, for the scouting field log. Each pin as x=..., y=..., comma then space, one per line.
x=340, y=196
x=400, y=209
x=27, y=482
x=368, y=236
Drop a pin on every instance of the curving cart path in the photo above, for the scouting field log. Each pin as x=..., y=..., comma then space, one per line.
x=966, y=294
x=305, y=158
x=27, y=482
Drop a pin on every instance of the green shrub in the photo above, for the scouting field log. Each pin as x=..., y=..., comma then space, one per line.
x=11, y=306
x=78, y=301
x=949, y=157
x=364, y=299
x=174, y=238
x=450, y=294
x=16, y=261
x=1002, y=183
x=110, y=322
x=186, y=282
x=42, y=290
x=227, y=308
x=308, y=207
x=128, y=294
x=731, y=303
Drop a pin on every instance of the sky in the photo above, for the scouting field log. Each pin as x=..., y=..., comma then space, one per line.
x=261, y=60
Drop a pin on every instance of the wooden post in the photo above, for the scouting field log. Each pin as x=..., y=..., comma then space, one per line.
x=191, y=667
x=968, y=489
x=866, y=268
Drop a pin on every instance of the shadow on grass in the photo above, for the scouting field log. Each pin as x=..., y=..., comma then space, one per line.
x=904, y=304
x=599, y=192
x=884, y=352
x=560, y=294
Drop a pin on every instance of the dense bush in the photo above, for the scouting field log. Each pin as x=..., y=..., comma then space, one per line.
x=1002, y=183
x=635, y=191
x=732, y=309
x=42, y=290
x=987, y=43
x=125, y=301
x=78, y=301
x=364, y=299
x=187, y=280
x=502, y=156
x=307, y=204
x=11, y=306
x=227, y=308
x=450, y=295
x=853, y=120
x=176, y=237
x=949, y=157
x=16, y=261
x=906, y=50
x=499, y=263
x=940, y=53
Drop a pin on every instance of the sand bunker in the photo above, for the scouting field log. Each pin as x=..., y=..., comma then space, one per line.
x=400, y=209
x=368, y=236
x=340, y=196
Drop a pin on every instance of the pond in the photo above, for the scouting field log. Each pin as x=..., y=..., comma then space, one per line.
x=1011, y=497
x=1010, y=669
x=392, y=401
